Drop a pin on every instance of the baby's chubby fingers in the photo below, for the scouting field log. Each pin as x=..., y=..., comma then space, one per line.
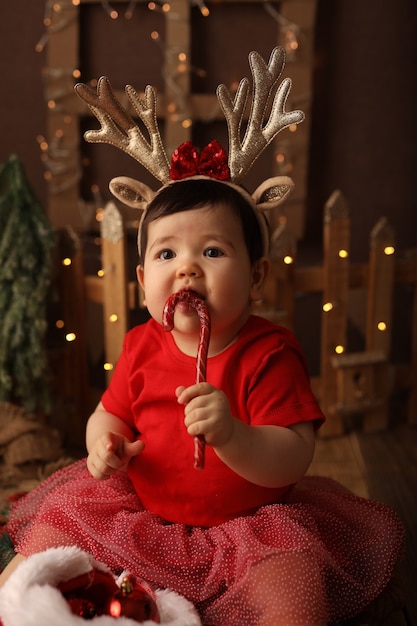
x=207, y=412
x=119, y=450
x=132, y=448
x=186, y=394
x=111, y=452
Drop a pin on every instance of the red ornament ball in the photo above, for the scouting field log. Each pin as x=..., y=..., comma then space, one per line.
x=133, y=600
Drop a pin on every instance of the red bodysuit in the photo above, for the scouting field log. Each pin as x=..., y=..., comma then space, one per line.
x=265, y=379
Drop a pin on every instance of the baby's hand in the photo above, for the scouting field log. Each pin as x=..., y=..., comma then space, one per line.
x=207, y=413
x=110, y=453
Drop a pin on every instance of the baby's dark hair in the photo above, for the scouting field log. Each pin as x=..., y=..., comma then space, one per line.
x=189, y=194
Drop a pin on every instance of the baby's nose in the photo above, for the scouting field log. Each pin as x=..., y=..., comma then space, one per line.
x=189, y=268
x=189, y=272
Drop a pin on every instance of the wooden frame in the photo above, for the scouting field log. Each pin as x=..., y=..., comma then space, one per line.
x=62, y=153
x=63, y=156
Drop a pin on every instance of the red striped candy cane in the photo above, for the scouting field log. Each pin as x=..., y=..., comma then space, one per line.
x=196, y=302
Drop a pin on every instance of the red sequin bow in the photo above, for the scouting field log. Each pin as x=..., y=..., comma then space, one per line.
x=211, y=162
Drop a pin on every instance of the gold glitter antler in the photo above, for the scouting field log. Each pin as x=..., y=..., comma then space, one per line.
x=120, y=130
x=242, y=154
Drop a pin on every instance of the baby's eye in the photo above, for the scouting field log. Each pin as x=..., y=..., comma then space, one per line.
x=213, y=252
x=166, y=254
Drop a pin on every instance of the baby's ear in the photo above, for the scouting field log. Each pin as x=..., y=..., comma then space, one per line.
x=131, y=192
x=272, y=192
x=140, y=277
x=259, y=273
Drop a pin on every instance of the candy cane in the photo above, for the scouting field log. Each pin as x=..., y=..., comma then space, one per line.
x=196, y=302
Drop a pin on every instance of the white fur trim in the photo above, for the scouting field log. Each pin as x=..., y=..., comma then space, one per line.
x=29, y=596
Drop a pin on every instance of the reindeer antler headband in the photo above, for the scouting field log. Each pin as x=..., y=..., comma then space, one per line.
x=120, y=130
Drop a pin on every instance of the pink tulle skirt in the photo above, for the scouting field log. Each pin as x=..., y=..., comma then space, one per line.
x=321, y=555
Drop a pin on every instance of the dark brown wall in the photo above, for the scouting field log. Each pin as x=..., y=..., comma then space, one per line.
x=364, y=118
x=364, y=127
x=22, y=107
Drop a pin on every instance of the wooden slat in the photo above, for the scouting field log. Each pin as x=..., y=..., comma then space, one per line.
x=279, y=293
x=115, y=304
x=72, y=366
x=94, y=289
x=380, y=288
x=63, y=134
x=335, y=292
x=310, y=279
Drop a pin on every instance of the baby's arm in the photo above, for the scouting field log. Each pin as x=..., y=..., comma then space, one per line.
x=271, y=456
x=109, y=443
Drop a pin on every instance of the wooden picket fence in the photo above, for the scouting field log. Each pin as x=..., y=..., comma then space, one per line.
x=359, y=383
x=348, y=384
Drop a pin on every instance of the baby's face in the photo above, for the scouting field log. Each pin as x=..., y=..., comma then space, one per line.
x=203, y=250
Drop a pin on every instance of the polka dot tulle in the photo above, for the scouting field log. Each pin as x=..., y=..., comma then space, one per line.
x=320, y=556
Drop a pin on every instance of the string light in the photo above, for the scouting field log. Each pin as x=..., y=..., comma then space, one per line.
x=43, y=144
x=98, y=198
x=108, y=367
x=70, y=337
x=343, y=254
x=164, y=7
x=283, y=158
x=58, y=161
x=113, y=318
x=382, y=326
x=109, y=10
x=291, y=41
x=204, y=10
x=291, y=31
x=288, y=259
x=130, y=9
x=55, y=20
x=339, y=349
x=59, y=15
x=66, y=262
x=388, y=250
x=59, y=324
x=42, y=42
x=327, y=306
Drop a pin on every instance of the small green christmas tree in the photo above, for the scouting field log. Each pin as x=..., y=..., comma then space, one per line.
x=26, y=240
